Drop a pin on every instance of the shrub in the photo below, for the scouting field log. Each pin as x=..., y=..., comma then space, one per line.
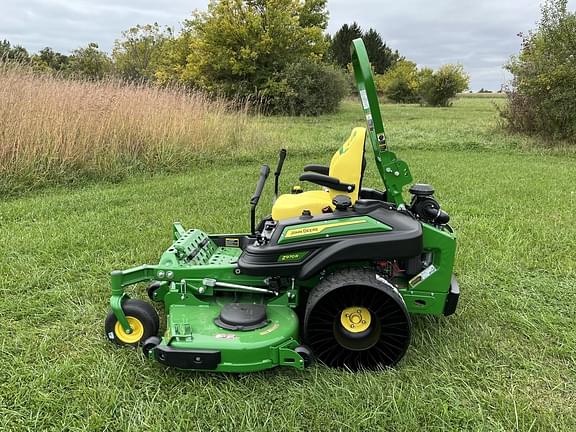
x=305, y=88
x=542, y=99
x=439, y=87
x=242, y=49
x=89, y=63
x=400, y=82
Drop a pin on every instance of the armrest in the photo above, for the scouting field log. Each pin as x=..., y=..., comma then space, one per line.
x=320, y=169
x=367, y=193
x=327, y=181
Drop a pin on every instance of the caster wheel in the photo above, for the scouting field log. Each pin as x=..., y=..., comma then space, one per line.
x=142, y=318
x=152, y=290
x=306, y=354
x=149, y=344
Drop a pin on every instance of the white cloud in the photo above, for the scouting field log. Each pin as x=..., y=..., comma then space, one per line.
x=479, y=34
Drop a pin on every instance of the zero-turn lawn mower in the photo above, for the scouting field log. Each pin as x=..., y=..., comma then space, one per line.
x=332, y=274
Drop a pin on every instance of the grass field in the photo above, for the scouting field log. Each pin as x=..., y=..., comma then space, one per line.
x=506, y=361
x=56, y=131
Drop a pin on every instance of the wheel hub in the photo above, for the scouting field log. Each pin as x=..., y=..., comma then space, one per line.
x=355, y=319
x=135, y=335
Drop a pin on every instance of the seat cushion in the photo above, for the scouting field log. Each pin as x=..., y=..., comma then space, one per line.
x=347, y=163
x=292, y=205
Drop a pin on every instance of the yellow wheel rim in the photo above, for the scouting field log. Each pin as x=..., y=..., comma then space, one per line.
x=130, y=338
x=355, y=319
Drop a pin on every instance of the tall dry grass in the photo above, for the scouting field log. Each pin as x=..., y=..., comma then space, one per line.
x=55, y=131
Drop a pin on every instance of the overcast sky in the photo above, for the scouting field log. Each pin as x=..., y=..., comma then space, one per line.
x=480, y=34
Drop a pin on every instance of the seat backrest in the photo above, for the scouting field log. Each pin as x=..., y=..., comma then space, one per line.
x=347, y=163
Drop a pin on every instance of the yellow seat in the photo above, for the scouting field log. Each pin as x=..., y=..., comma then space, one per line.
x=346, y=165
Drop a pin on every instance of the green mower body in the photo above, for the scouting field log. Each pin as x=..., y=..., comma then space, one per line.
x=338, y=284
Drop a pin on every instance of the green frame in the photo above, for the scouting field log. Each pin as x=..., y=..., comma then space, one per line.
x=183, y=283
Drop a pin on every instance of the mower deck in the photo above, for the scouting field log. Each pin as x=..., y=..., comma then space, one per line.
x=194, y=341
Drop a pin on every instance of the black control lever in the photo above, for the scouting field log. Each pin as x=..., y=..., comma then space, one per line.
x=281, y=158
x=264, y=172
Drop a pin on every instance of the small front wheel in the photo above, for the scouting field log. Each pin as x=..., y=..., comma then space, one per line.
x=149, y=344
x=306, y=354
x=142, y=318
x=152, y=290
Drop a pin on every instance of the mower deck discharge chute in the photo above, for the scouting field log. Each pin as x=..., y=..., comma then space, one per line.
x=331, y=274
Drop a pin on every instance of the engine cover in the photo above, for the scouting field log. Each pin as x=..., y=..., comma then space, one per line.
x=302, y=247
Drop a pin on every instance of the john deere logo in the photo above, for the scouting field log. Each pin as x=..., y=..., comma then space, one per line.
x=330, y=228
x=297, y=232
x=304, y=231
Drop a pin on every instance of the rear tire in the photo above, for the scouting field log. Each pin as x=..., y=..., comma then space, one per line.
x=356, y=320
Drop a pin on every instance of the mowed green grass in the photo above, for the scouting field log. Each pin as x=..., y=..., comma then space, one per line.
x=505, y=361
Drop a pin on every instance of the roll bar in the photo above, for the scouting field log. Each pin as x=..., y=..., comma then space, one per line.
x=395, y=173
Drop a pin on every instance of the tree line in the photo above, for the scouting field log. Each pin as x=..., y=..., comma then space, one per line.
x=276, y=52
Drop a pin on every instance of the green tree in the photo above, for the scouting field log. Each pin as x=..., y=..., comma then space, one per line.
x=543, y=95
x=381, y=56
x=173, y=59
x=339, y=51
x=137, y=55
x=49, y=60
x=13, y=52
x=400, y=83
x=236, y=47
x=89, y=63
x=313, y=14
x=440, y=87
